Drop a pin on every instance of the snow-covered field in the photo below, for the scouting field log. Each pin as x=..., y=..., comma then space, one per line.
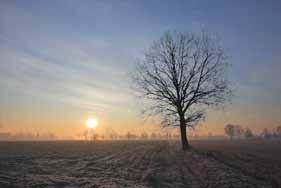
x=119, y=164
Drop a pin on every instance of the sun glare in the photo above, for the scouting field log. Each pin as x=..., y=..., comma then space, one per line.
x=91, y=123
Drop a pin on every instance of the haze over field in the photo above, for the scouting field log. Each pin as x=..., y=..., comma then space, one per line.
x=140, y=94
x=63, y=62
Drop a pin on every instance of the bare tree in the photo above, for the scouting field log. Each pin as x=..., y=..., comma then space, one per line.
x=278, y=131
x=265, y=133
x=85, y=134
x=234, y=131
x=144, y=136
x=111, y=133
x=153, y=136
x=229, y=129
x=248, y=133
x=94, y=136
x=239, y=131
x=180, y=76
x=131, y=136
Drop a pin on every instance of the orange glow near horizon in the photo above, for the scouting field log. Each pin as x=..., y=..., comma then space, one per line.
x=71, y=128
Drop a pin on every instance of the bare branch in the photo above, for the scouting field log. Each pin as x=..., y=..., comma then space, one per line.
x=181, y=75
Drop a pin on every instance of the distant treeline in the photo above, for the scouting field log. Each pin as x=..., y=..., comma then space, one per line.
x=166, y=135
x=28, y=136
x=109, y=135
x=231, y=131
x=238, y=132
x=112, y=135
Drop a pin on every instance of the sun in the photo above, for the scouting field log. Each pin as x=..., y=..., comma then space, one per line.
x=91, y=123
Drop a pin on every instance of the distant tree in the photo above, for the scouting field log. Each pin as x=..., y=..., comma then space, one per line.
x=248, y=133
x=94, y=136
x=85, y=134
x=153, y=136
x=144, y=136
x=180, y=76
x=111, y=133
x=37, y=136
x=210, y=135
x=278, y=131
x=230, y=130
x=134, y=136
x=239, y=131
x=90, y=135
x=102, y=137
x=265, y=133
x=168, y=135
x=51, y=136
x=130, y=136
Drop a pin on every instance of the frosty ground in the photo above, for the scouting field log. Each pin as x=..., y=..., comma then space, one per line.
x=139, y=164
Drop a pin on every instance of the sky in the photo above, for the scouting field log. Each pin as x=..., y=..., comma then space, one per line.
x=62, y=62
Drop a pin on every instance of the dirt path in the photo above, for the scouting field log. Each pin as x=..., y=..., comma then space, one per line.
x=119, y=164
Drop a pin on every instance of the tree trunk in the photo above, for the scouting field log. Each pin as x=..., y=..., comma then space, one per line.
x=184, y=141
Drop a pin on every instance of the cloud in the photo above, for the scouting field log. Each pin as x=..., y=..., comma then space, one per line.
x=72, y=72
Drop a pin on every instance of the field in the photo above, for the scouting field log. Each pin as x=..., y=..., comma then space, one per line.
x=140, y=164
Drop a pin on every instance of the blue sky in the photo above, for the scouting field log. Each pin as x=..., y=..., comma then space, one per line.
x=66, y=60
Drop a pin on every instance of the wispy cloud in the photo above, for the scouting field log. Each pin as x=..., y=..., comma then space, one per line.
x=63, y=72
